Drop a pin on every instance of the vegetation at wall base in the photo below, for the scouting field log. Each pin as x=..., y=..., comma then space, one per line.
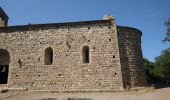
x=158, y=72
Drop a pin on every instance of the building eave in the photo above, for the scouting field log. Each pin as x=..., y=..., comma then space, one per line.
x=51, y=25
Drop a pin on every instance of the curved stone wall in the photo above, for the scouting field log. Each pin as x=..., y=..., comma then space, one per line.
x=131, y=57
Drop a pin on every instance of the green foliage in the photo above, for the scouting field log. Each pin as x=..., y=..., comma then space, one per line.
x=153, y=69
x=159, y=71
x=167, y=37
x=164, y=61
x=149, y=66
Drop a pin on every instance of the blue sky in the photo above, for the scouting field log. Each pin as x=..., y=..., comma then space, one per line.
x=147, y=15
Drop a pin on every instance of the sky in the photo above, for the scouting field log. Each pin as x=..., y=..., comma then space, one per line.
x=148, y=16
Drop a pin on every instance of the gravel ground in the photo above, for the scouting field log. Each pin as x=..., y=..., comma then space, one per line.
x=158, y=94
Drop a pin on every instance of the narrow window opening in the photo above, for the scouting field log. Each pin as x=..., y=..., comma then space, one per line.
x=86, y=58
x=48, y=56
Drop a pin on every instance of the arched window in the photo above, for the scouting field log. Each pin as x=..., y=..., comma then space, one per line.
x=4, y=66
x=48, y=56
x=85, y=52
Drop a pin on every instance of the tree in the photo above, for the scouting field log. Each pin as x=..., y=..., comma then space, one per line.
x=164, y=61
x=149, y=66
x=167, y=37
x=155, y=74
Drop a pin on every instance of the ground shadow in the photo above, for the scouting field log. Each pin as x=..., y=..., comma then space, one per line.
x=159, y=86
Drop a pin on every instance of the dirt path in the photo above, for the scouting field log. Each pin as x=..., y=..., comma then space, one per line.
x=159, y=94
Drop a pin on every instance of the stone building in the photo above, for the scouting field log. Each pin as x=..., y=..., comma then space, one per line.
x=93, y=55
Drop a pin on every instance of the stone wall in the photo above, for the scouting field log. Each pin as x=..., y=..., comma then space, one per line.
x=131, y=57
x=26, y=46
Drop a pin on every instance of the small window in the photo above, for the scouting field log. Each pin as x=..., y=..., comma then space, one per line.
x=48, y=56
x=85, y=51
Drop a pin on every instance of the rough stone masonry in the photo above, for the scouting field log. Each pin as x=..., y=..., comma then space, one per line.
x=81, y=56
